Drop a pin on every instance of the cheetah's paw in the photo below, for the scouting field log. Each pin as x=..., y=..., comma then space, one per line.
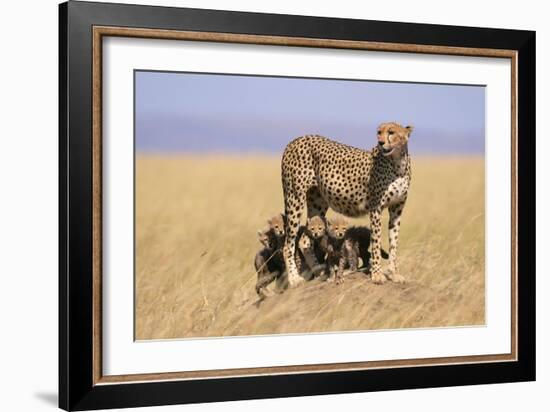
x=396, y=278
x=295, y=280
x=378, y=278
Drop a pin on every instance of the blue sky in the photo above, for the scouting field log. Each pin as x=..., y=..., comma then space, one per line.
x=204, y=113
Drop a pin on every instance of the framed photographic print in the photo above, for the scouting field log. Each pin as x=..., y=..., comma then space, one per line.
x=257, y=205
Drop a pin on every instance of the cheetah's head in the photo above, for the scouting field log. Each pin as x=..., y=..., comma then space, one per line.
x=277, y=225
x=392, y=137
x=316, y=227
x=337, y=227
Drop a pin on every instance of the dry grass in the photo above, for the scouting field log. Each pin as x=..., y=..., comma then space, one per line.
x=196, y=223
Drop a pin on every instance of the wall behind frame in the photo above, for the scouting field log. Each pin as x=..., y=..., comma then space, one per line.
x=28, y=213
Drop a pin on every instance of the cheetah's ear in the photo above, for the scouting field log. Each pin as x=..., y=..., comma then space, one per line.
x=409, y=130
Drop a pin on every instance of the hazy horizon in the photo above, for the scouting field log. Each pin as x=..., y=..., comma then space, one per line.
x=219, y=114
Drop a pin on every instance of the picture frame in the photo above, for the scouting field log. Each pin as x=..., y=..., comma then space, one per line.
x=82, y=28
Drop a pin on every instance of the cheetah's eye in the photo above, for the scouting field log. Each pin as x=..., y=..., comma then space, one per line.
x=390, y=132
x=379, y=132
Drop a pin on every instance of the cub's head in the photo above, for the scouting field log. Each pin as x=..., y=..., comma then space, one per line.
x=316, y=227
x=337, y=227
x=392, y=137
x=277, y=225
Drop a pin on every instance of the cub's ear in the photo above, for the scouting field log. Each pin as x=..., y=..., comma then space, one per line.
x=409, y=130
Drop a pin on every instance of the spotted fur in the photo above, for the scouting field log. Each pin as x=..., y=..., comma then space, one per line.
x=318, y=173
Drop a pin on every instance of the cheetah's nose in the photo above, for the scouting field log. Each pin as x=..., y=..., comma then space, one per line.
x=380, y=143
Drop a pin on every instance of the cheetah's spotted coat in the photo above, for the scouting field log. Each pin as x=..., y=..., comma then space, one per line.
x=319, y=173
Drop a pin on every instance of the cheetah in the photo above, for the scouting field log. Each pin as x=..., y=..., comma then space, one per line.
x=319, y=173
x=269, y=262
x=309, y=237
x=341, y=250
x=276, y=226
x=360, y=237
x=269, y=266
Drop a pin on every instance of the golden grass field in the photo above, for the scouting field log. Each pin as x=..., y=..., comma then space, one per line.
x=196, y=223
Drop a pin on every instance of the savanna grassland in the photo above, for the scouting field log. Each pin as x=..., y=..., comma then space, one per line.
x=196, y=223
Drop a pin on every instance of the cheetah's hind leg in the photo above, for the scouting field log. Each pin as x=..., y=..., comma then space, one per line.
x=316, y=204
x=294, y=206
x=281, y=283
x=264, y=281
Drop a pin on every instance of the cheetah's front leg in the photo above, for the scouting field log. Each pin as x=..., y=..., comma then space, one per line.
x=289, y=251
x=264, y=280
x=340, y=271
x=292, y=210
x=332, y=271
x=376, y=229
x=393, y=231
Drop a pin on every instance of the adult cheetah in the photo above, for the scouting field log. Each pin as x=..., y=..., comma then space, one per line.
x=320, y=173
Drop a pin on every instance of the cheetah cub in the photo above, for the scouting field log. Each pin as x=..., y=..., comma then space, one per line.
x=269, y=262
x=341, y=251
x=309, y=238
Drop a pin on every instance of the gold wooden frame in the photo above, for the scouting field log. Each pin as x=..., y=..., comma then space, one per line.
x=100, y=31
